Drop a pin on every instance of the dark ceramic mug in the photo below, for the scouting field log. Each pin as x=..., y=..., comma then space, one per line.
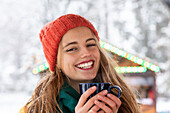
x=115, y=90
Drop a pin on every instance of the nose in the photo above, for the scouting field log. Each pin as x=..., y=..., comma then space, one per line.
x=85, y=52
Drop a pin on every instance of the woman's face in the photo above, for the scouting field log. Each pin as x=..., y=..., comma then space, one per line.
x=78, y=55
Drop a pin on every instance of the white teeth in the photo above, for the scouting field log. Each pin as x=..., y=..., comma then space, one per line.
x=85, y=65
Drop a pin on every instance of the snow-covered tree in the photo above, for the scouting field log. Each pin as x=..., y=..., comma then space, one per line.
x=139, y=27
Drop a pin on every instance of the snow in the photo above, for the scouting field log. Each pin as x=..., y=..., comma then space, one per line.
x=130, y=28
x=12, y=102
x=163, y=105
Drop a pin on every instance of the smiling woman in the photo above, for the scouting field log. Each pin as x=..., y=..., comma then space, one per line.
x=71, y=47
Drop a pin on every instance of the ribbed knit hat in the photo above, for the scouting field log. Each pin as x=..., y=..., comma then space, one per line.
x=52, y=33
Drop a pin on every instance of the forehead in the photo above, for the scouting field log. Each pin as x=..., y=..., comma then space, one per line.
x=78, y=33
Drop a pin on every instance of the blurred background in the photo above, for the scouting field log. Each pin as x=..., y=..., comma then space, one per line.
x=139, y=27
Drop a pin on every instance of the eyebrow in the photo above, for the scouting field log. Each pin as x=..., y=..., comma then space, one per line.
x=70, y=44
x=90, y=39
x=77, y=43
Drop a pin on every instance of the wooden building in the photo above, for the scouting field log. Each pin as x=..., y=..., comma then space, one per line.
x=138, y=72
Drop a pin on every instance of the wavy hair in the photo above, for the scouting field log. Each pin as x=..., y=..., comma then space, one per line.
x=109, y=74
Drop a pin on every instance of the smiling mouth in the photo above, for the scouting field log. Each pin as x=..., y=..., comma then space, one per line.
x=86, y=65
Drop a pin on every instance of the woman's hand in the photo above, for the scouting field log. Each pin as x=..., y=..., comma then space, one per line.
x=109, y=104
x=88, y=107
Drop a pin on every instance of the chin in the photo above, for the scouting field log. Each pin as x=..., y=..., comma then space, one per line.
x=90, y=79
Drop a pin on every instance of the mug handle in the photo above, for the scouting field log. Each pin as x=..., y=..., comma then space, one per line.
x=118, y=88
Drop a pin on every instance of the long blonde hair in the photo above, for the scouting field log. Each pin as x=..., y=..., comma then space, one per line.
x=44, y=96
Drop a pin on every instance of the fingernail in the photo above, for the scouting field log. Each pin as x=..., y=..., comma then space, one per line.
x=96, y=102
x=94, y=87
x=91, y=111
x=100, y=96
x=105, y=92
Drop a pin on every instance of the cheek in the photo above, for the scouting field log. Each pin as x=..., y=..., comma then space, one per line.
x=67, y=61
x=97, y=54
x=98, y=57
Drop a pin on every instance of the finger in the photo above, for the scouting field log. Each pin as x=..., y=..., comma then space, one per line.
x=115, y=99
x=90, y=102
x=103, y=106
x=91, y=111
x=95, y=108
x=109, y=102
x=85, y=95
x=101, y=111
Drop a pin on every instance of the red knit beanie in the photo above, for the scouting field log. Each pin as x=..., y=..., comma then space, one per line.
x=52, y=33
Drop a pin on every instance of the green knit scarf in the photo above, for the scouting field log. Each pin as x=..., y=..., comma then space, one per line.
x=68, y=98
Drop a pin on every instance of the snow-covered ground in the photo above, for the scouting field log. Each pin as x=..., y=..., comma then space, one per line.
x=163, y=105
x=12, y=102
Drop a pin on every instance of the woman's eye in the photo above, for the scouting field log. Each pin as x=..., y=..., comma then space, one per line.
x=89, y=45
x=72, y=49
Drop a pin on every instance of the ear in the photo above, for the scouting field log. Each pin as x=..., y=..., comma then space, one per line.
x=58, y=66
